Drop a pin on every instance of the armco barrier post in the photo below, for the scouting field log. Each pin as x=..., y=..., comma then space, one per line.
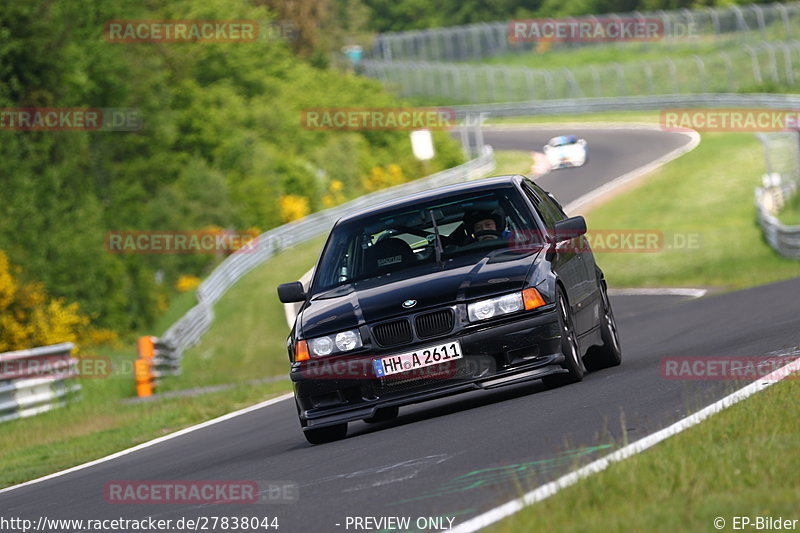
x=143, y=368
x=146, y=347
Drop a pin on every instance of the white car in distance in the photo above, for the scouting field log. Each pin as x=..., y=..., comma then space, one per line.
x=566, y=151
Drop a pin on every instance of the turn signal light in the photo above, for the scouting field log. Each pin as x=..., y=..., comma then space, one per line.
x=301, y=351
x=532, y=299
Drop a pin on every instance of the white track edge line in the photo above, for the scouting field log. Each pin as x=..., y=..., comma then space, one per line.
x=153, y=442
x=598, y=125
x=656, y=291
x=694, y=140
x=549, y=489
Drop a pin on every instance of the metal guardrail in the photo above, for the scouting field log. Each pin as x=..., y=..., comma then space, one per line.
x=782, y=154
x=474, y=42
x=782, y=238
x=749, y=65
x=632, y=103
x=36, y=380
x=188, y=329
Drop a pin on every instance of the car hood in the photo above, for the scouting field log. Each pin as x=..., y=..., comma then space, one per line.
x=381, y=298
x=569, y=151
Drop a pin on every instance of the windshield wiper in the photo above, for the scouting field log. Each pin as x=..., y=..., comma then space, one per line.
x=437, y=246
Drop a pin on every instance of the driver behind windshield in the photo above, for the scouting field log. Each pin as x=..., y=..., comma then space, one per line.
x=485, y=225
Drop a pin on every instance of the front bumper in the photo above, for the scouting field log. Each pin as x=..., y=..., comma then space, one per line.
x=568, y=163
x=502, y=352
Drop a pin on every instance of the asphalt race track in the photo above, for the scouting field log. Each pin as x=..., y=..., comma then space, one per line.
x=458, y=456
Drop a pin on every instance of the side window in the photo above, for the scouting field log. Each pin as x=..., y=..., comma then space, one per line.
x=557, y=209
x=545, y=212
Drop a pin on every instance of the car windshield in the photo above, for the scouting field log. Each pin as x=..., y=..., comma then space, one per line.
x=563, y=141
x=405, y=239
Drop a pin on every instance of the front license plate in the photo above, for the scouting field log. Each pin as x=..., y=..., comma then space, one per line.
x=406, y=362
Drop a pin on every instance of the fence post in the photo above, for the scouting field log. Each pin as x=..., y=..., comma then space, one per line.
x=648, y=73
x=667, y=25
x=784, y=17
x=787, y=63
x=673, y=74
x=741, y=25
x=731, y=82
x=548, y=81
x=760, y=19
x=530, y=83
x=754, y=62
x=575, y=90
x=773, y=64
x=715, y=21
x=620, y=78
x=701, y=68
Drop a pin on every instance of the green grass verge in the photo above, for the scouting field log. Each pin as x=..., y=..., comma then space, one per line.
x=605, y=54
x=247, y=339
x=246, y=342
x=707, y=193
x=739, y=462
x=512, y=162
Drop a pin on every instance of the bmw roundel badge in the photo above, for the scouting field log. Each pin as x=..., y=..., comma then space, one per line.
x=408, y=304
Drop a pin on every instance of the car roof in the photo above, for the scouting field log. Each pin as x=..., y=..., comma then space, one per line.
x=564, y=139
x=434, y=194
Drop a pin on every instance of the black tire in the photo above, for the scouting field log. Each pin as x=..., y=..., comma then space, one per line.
x=609, y=353
x=383, y=415
x=569, y=347
x=326, y=434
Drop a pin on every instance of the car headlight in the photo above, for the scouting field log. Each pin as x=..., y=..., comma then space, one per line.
x=503, y=305
x=348, y=340
x=344, y=341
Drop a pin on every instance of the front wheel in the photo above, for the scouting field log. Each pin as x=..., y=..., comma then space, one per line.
x=326, y=434
x=569, y=347
x=609, y=353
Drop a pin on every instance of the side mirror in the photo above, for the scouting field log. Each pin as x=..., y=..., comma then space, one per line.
x=569, y=228
x=291, y=292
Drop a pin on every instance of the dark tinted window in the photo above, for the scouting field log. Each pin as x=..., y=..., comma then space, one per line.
x=404, y=239
x=545, y=206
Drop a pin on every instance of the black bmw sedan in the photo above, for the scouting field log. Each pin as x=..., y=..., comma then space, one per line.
x=471, y=286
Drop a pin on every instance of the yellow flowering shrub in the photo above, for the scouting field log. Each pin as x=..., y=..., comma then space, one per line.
x=335, y=194
x=30, y=318
x=187, y=283
x=381, y=178
x=293, y=207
